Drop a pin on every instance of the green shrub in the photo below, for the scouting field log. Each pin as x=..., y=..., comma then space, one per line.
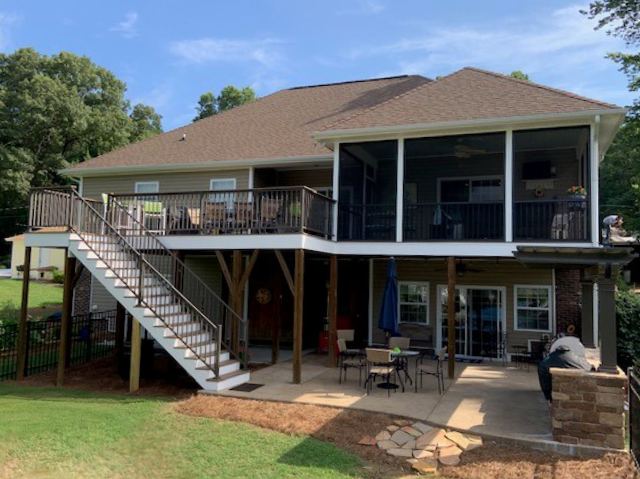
x=628, y=325
x=58, y=276
x=9, y=312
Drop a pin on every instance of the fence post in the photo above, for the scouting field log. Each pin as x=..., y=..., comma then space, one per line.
x=69, y=268
x=89, y=334
x=23, y=333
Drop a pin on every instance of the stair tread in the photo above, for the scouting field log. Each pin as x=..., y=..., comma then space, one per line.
x=228, y=362
x=230, y=375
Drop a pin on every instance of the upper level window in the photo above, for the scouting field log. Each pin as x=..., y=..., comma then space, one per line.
x=533, y=308
x=413, y=302
x=223, y=184
x=147, y=187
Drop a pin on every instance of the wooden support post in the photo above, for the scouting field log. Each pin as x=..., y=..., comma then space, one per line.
x=136, y=356
x=65, y=324
x=236, y=298
x=451, y=315
x=120, y=323
x=24, y=315
x=298, y=309
x=333, y=310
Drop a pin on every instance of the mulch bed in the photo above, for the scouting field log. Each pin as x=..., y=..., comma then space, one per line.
x=345, y=428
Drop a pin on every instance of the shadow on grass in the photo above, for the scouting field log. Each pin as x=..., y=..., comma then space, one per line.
x=11, y=389
x=321, y=455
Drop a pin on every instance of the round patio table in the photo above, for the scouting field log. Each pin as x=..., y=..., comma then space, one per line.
x=403, y=361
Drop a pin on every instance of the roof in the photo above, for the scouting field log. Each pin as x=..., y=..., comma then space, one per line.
x=469, y=94
x=281, y=125
x=275, y=126
x=576, y=256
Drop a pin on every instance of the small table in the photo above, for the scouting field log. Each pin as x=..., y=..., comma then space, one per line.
x=519, y=352
x=403, y=361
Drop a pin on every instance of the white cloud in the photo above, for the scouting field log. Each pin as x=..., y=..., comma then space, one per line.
x=365, y=7
x=6, y=21
x=158, y=97
x=127, y=27
x=207, y=50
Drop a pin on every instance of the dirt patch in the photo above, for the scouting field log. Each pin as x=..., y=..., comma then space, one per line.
x=345, y=428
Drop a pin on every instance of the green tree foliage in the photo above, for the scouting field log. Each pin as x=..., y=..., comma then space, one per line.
x=230, y=97
x=519, y=75
x=628, y=325
x=145, y=122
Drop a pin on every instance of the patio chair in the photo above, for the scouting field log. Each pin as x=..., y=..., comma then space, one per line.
x=243, y=218
x=269, y=210
x=431, y=370
x=215, y=217
x=399, y=342
x=380, y=363
x=348, y=335
x=346, y=362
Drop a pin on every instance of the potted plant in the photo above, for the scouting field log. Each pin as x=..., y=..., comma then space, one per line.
x=577, y=196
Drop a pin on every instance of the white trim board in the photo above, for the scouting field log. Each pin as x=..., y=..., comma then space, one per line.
x=551, y=308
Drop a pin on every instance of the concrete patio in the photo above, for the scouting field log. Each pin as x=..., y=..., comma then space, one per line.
x=489, y=399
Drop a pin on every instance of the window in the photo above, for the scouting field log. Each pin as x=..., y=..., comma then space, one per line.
x=223, y=184
x=413, y=302
x=533, y=308
x=147, y=187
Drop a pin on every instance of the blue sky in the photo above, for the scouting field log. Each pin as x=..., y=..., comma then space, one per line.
x=170, y=52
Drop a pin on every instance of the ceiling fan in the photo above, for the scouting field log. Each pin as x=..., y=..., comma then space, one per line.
x=465, y=151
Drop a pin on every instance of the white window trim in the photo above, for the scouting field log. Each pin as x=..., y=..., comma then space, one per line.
x=470, y=178
x=213, y=180
x=427, y=302
x=515, y=307
x=140, y=183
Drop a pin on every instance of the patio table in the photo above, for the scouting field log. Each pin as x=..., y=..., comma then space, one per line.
x=403, y=361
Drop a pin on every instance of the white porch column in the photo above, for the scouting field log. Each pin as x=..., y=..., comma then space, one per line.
x=400, y=192
x=508, y=187
x=594, y=176
x=336, y=187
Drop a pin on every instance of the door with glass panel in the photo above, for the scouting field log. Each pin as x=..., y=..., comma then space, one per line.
x=479, y=320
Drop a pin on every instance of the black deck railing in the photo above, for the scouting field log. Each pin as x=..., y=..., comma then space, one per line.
x=552, y=220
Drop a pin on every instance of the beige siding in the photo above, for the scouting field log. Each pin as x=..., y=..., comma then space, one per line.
x=505, y=274
x=168, y=182
x=101, y=299
x=208, y=269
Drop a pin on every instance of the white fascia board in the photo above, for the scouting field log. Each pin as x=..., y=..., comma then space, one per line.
x=484, y=124
x=47, y=240
x=200, y=165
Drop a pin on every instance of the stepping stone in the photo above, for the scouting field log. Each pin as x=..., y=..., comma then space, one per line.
x=412, y=460
x=440, y=439
x=393, y=428
x=384, y=445
x=402, y=422
x=425, y=466
x=423, y=428
x=383, y=436
x=412, y=431
x=401, y=437
x=458, y=439
x=423, y=454
x=409, y=445
x=368, y=441
x=474, y=441
x=399, y=452
x=426, y=439
x=450, y=456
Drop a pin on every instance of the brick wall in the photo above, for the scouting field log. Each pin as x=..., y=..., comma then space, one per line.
x=588, y=408
x=568, y=310
x=82, y=294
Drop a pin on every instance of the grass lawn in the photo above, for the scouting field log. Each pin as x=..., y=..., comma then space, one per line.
x=51, y=433
x=40, y=294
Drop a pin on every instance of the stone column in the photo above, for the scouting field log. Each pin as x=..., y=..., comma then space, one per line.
x=588, y=338
x=607, y=324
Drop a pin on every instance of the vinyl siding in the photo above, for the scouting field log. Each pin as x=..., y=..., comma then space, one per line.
x=503, y=274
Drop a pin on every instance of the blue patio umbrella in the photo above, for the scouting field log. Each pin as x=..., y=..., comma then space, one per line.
x=388, y=318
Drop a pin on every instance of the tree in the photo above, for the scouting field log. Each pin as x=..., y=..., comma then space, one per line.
x=145, y=122
x=229, y=97
x=519, y=75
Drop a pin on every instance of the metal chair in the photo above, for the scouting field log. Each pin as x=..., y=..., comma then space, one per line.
x=431, y=370
x=380, y=363
x=400, y=343
x=346, y=361
x=215, y=217
x=348, y=335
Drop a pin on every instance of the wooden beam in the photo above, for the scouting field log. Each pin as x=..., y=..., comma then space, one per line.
x=236, y=298
x=285, y=270
x=24, y=315
x=248, y=269
x=120, y=323
x=298, y=309
x=333, y=310
x=65, y=324
x=77, y=275
x=451, y=315
x=225, y=270
x=136, y=356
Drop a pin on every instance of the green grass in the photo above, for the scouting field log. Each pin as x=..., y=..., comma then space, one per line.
x=51, y=433
x=40, y=294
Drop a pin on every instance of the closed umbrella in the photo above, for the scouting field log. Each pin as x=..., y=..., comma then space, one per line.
x=388, y=318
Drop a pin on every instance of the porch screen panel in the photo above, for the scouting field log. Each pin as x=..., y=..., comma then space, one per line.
x=454, y=188
x=367, y=196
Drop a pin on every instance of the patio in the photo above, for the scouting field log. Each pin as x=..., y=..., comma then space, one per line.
x=486, y=399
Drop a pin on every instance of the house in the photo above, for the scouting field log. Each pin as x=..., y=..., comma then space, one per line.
x=44, y=261
x=269, y=224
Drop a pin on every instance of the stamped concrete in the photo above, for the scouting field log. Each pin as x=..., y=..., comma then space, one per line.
x=489, y=399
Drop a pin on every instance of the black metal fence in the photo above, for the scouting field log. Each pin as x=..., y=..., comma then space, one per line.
x=91, y=337
x=634, y=416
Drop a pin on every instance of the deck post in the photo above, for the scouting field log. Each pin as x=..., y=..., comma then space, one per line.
x=120, y=323
x=607, y=287
x=236, y=297
x=136, y=356
x=451, y=315
x=65, y=324
x=298, y=308
x=333, y=310
x=24, y=315
x=588, y=338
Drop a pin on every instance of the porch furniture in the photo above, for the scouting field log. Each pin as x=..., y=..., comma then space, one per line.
x=381, y=363
x=179, y=221
x=402, y=361
x=535, y=355
x=399, y=342
x=269, y=210
x=348, y=335
x=346, y=362
x=518, y=355
x=243, y=217
x=215, y=217
x=431, y=370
